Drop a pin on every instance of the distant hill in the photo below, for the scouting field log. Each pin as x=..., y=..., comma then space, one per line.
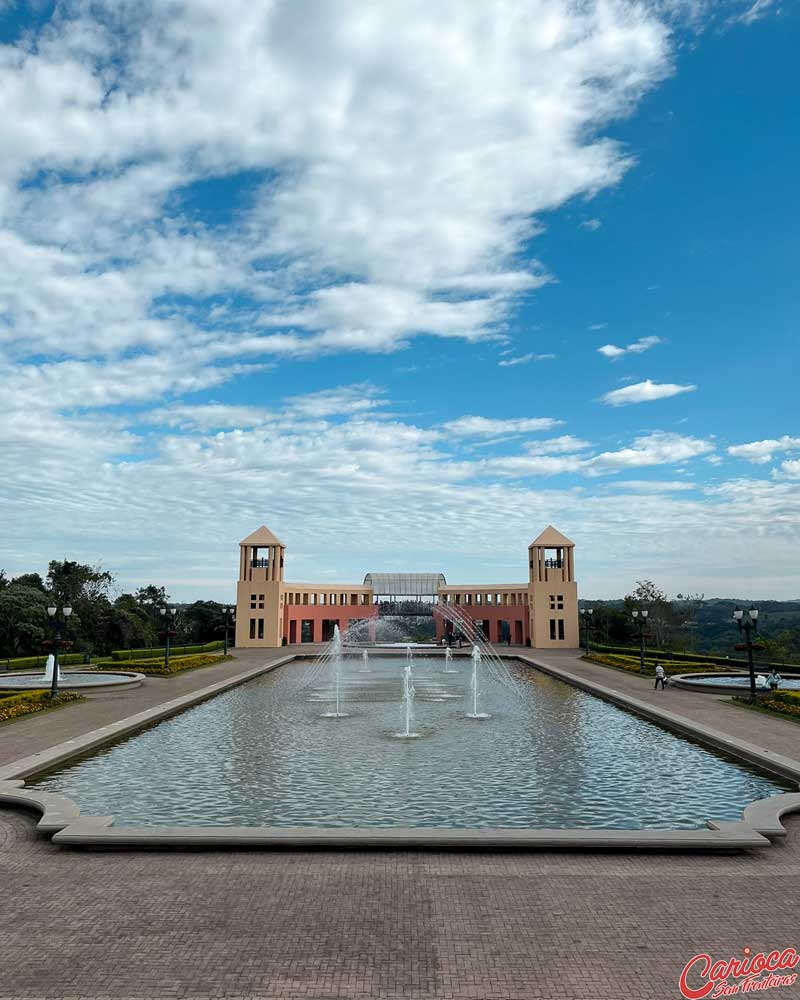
x=707, y=626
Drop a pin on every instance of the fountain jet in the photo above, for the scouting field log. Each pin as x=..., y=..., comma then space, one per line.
x=476, y=660
x=336, y=659
x=448, y=662
x=408, y=706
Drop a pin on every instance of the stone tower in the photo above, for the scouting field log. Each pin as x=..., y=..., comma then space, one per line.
x=259, y=592
x=552, y=591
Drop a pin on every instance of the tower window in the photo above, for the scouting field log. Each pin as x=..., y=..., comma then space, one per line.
x=252, y=628
x=552, y=628
x=560, y=628
x=260, y=628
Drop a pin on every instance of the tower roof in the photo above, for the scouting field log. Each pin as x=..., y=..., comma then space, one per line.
x=262, y=536
x=551, y=539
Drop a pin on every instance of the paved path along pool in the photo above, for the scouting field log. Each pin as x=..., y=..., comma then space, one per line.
x=395, y=924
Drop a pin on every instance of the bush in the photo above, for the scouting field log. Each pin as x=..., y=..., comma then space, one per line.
x=785, y=702
x=732, y=663
x=155, y=666
x=155, y=651
x=34, y=662
x=15, y=705
x=670, y=666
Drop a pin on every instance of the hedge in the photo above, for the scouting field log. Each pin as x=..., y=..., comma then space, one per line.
x=176, y=664
x=734, y=663
x=156, y=651
x=670, y=666
x=32, y=662
x=15, y=705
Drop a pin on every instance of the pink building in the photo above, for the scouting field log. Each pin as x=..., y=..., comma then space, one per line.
x=542, y=613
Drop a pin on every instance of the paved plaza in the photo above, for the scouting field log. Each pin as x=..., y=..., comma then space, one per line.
x=379, y=924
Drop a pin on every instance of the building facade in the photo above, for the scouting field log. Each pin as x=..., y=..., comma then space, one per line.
x=542, y=613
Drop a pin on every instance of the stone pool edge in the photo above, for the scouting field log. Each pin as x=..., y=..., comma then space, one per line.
x=61, y=817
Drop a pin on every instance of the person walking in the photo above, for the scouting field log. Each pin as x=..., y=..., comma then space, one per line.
x=661, y=677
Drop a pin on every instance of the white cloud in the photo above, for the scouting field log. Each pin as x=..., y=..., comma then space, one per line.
x=643, y=344
x=791, y=468
x=652, y=486
x=598, y=326
x=761, y=452
x=658, y=448
x=754, y=12
x=591, y=224
x=524, y=359
x=644, y=392
x=487, y=427
x=392, y=202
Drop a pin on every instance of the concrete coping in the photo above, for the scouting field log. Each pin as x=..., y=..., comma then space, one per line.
x=61, y=817
x=57, y=811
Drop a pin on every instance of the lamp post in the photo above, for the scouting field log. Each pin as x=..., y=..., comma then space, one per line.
x=228, y=613
x=58, y=642
x=748, y=626
x=586, y=617
x=640, y=618
x=167, y=632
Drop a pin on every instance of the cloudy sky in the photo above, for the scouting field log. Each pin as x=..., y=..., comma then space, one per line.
x=404, y=281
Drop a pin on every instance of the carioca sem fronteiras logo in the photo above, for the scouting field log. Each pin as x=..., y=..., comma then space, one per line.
x=733, y=976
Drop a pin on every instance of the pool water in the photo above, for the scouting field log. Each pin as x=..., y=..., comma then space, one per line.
x=550, y=756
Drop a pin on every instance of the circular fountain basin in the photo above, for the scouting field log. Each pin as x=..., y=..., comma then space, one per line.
x=737, y=683
x=71, y=680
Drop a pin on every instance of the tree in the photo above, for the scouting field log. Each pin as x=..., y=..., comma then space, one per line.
x=23, y=620
x=659, y=610
x=70, y=582
x=157, y=596
x=31, y=580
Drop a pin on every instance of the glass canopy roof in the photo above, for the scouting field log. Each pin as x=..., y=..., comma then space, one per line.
x=405, y=584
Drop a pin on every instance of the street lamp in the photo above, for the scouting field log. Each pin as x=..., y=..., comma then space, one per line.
x=58, y=642
x=640, y=618
x=586, y=616
x=228, y=613
x=748, y=626
x=167, y=632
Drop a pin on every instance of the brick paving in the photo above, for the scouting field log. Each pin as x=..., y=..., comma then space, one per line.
x=415, y=925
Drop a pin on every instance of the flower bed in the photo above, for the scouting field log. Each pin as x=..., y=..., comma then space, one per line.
x=632, y=664
x=155, y=665
x=14, y=705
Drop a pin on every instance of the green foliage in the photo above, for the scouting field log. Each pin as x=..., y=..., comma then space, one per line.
x=38, y=662
x=177, y=664
x=159, y=651
x=786, y=703
x=15, y=705
x=670, y=666
x=24, y=623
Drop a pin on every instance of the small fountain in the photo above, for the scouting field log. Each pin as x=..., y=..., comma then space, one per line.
x=408, y=706
x=48, y=670
x=448, y=662
x=409, y=655
x=365, y=662
x=475, y=714
x=336, y=657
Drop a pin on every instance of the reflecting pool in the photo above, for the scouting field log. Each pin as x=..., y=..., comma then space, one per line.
x=548, y=755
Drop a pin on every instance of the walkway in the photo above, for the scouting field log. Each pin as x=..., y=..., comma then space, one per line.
x=418, y=926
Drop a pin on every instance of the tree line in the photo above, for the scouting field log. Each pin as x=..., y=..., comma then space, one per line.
x=101, y=620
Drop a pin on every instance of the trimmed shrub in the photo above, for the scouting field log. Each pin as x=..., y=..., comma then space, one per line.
x=177, y=664
x=733, y=663
x=155, y=651
x=670, y=666
x=32, y=662
x=15, y=705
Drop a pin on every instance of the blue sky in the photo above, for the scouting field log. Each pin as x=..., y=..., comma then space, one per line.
x=406, y=284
